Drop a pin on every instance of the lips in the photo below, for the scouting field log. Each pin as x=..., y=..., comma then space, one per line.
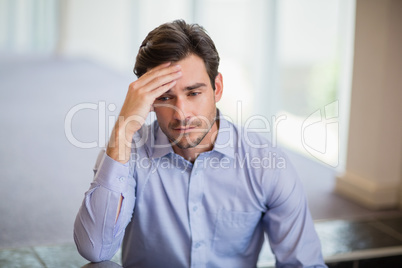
x=185, y=125
x=183, y=129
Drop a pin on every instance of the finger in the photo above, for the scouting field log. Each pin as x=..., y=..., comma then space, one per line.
x=159, y=81
x=158, y=72
x=152, y=74
x=160, y=66
x=162, y=80
x=162, y=89
x=143, y=79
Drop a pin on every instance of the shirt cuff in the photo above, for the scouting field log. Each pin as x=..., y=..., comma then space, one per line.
x=113, y=175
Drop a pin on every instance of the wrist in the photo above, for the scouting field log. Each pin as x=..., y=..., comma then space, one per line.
x=121, y=139
x=119, y=146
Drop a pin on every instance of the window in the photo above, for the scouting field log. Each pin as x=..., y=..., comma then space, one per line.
x=289, y=62
x=286, y=64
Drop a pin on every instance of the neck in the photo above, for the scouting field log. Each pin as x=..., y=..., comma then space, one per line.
x=207, y=144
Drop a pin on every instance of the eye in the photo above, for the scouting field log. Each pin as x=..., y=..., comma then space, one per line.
x=194, y=93
x=164, y=98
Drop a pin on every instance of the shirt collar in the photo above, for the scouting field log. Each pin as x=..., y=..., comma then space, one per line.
x=161, y=145
x=225, y=141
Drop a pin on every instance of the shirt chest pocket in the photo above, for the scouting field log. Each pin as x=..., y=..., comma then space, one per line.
x=234, y=230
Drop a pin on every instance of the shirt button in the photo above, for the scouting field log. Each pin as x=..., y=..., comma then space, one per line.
x=121, y=179
x=195, y=208
x=195, y=173
x=197, y=245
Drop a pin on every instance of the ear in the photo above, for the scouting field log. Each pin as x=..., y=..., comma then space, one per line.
x=218, y=87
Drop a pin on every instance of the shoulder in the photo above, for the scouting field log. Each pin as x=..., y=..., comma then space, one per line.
x=246, y=143
x=267, y=166
x=246, y=136
x=251, y=150
x=256, y=141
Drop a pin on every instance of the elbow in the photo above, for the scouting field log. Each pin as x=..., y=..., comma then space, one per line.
x=90, y=255
x=85, y=246
x=87, y=250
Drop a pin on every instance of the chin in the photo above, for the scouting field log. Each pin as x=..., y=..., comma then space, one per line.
x=186, y=142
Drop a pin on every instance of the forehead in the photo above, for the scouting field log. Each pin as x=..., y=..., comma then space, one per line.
x=194, y=72
x=193, y=65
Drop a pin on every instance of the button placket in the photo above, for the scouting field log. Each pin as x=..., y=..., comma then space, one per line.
x=196, y=193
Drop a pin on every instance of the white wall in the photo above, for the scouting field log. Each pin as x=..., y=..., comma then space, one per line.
x=100, y=29
x=111, y=31
x=28, y=26
x=374, y=160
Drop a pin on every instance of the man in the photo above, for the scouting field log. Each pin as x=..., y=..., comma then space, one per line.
x=191, y=189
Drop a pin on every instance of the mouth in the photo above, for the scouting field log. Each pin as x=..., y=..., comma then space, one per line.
x=183, y=129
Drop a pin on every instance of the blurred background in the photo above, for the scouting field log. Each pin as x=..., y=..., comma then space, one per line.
x=284, y=58
x=321, y=78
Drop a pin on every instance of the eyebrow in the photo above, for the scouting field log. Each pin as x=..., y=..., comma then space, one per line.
x=195, y=86
x=192, y=87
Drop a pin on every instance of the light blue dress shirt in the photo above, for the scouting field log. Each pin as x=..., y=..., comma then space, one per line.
x=212, y=213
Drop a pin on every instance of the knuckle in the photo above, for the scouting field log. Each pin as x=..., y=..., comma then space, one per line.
x=133, y=86
x=158, y=79
x=152, y=72
x=161, y=72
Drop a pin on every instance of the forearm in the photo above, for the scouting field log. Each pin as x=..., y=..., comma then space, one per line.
x=108, y=205
x=119, y=146
x=98, y=231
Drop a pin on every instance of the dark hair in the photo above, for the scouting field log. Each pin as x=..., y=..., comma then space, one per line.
x=172, y=42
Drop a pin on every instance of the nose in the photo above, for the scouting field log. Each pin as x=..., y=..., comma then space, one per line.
x=181, y=109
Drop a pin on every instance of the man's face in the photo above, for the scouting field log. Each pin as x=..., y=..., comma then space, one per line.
x=187, y=112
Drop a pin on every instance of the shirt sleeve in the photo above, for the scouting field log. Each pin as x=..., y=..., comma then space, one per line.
x=288, y=223
x=97, y=234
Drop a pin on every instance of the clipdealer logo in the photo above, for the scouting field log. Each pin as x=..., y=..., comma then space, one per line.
x=319, y=131
x=320, y=134
x=270, y=160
